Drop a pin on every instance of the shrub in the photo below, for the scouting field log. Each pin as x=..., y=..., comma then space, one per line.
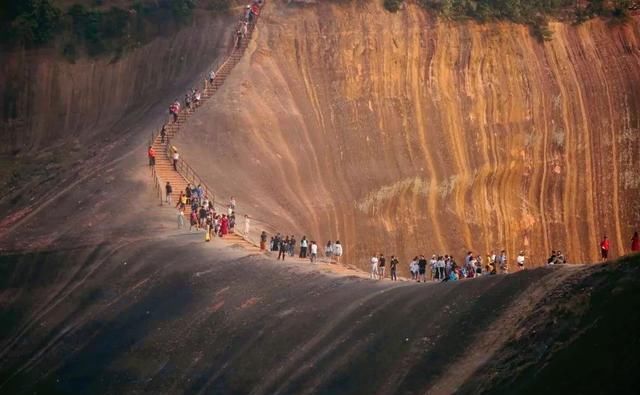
x=392, y=5
x=540, y=29
x=31, y=22
x=182, y=9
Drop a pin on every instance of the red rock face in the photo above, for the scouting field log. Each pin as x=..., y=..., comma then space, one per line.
x=402, y=134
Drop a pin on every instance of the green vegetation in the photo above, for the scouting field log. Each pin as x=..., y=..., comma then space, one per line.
x=88, y=26
x=534, y=13
x=392, y=5
x=28, y=22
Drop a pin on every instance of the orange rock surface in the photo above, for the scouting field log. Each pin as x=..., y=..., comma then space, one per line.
x=403, y=134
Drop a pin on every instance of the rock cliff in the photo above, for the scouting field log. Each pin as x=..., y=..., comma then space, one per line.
x=406, y=134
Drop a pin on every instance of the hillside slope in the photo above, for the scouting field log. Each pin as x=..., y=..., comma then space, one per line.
x=74, y=138
x=176, y=315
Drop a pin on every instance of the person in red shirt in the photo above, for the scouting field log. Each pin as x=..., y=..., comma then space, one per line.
x=635, y=242
x=152, y=156
x=604, y=248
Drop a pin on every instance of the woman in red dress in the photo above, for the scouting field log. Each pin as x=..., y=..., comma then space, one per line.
x=224, y=225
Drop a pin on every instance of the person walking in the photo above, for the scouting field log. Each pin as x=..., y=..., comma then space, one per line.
x=245, y=29
x=224, y=225
x=393, y=266
x=176, y=157
x=169, y=190
x=604, y=248
x=282, y=248
x=203, y=215
x=635, y=242
x=152, y=156
x=196, y=98
x=432, y=267
x=422, y=269
x=238, y=38
x=374, y=267
x=337, y=251
x=263, y=241
x=520, y=260
x=314, y=252
x=413, y=268
x=163, y=133
x=292, y=245
x=441, y=268
x=174, y=110
x=328, y=250
x=303, y=247
x=180, y=217
x=182, y=201
x=246, y=227
x=193, y=221
x=502, y=262
x=382, y=263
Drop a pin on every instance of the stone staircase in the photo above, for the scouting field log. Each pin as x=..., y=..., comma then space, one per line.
x=164, y=172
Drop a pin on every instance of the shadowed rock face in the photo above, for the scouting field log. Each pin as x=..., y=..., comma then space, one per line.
x=47, y=100
x=402, y=134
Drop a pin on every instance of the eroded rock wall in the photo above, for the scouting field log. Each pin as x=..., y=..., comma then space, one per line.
x=403, y=134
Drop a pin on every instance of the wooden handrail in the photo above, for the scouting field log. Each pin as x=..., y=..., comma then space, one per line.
x=183, y=167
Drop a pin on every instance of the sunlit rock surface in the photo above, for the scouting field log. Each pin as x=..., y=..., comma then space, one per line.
x=403, y=134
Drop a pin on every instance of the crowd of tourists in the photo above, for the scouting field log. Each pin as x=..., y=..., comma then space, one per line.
x=446, y=268
x=285, y=245
x=203, y=215
x=193, y=98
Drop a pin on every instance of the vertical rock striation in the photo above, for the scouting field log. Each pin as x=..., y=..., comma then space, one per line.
x=403, y=134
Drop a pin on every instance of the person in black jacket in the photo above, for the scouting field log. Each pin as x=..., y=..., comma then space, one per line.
x=169, y=191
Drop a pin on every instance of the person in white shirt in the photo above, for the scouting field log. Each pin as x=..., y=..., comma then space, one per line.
x=314, y=252
x=374, y=267
x=303, y=247
x=520, y=260
x=246, y=225
x=413, y=268
x=432, y=266
x=440, y=266
x=176, y=157
x=337, y=251
x=244, y=29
